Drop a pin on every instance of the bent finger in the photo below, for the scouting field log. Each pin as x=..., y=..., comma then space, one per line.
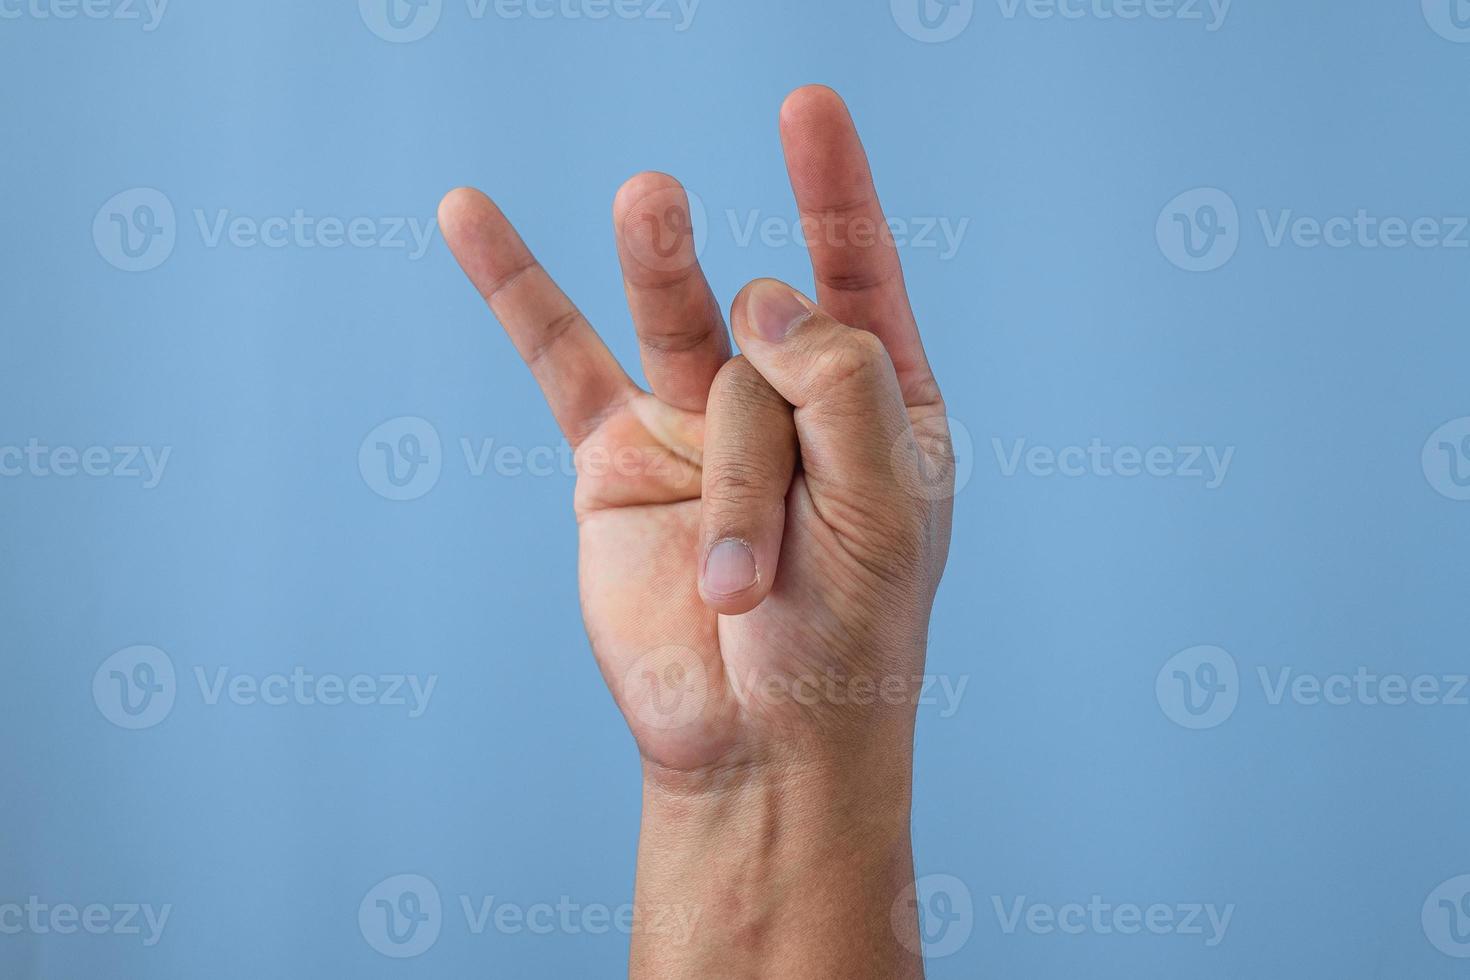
x=849, y=412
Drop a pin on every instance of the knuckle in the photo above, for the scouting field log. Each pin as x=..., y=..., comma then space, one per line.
x=668, y=341
x=857, y=359
x=736, y=483
x=740, y=384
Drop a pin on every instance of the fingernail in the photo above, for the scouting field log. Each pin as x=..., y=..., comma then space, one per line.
x=729, y=568
x=774, y=310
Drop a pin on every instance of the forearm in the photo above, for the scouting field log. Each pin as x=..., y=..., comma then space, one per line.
x=797, y=875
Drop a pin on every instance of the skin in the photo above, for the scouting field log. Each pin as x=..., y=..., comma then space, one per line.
x=770, y=681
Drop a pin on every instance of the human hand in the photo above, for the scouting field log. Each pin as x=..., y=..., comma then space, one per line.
x=761, y=538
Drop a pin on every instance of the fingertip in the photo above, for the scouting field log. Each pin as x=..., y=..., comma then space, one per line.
x=749, y=290
x=812, y=103
x=730, y=577
x=768, y=309
x=460, y=210
x=460, y=202
x=738, y=606
x=640, y=186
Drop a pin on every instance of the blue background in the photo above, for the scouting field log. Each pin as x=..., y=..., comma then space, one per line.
x=1059, y=320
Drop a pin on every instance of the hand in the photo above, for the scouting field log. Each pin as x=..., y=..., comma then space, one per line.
x=761, y=536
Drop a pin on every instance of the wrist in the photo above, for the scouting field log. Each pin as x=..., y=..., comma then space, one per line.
x=782, y=871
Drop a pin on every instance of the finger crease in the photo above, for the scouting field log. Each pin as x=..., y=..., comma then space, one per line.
x=552, y=333
x=509, y=279
x=856, y=282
